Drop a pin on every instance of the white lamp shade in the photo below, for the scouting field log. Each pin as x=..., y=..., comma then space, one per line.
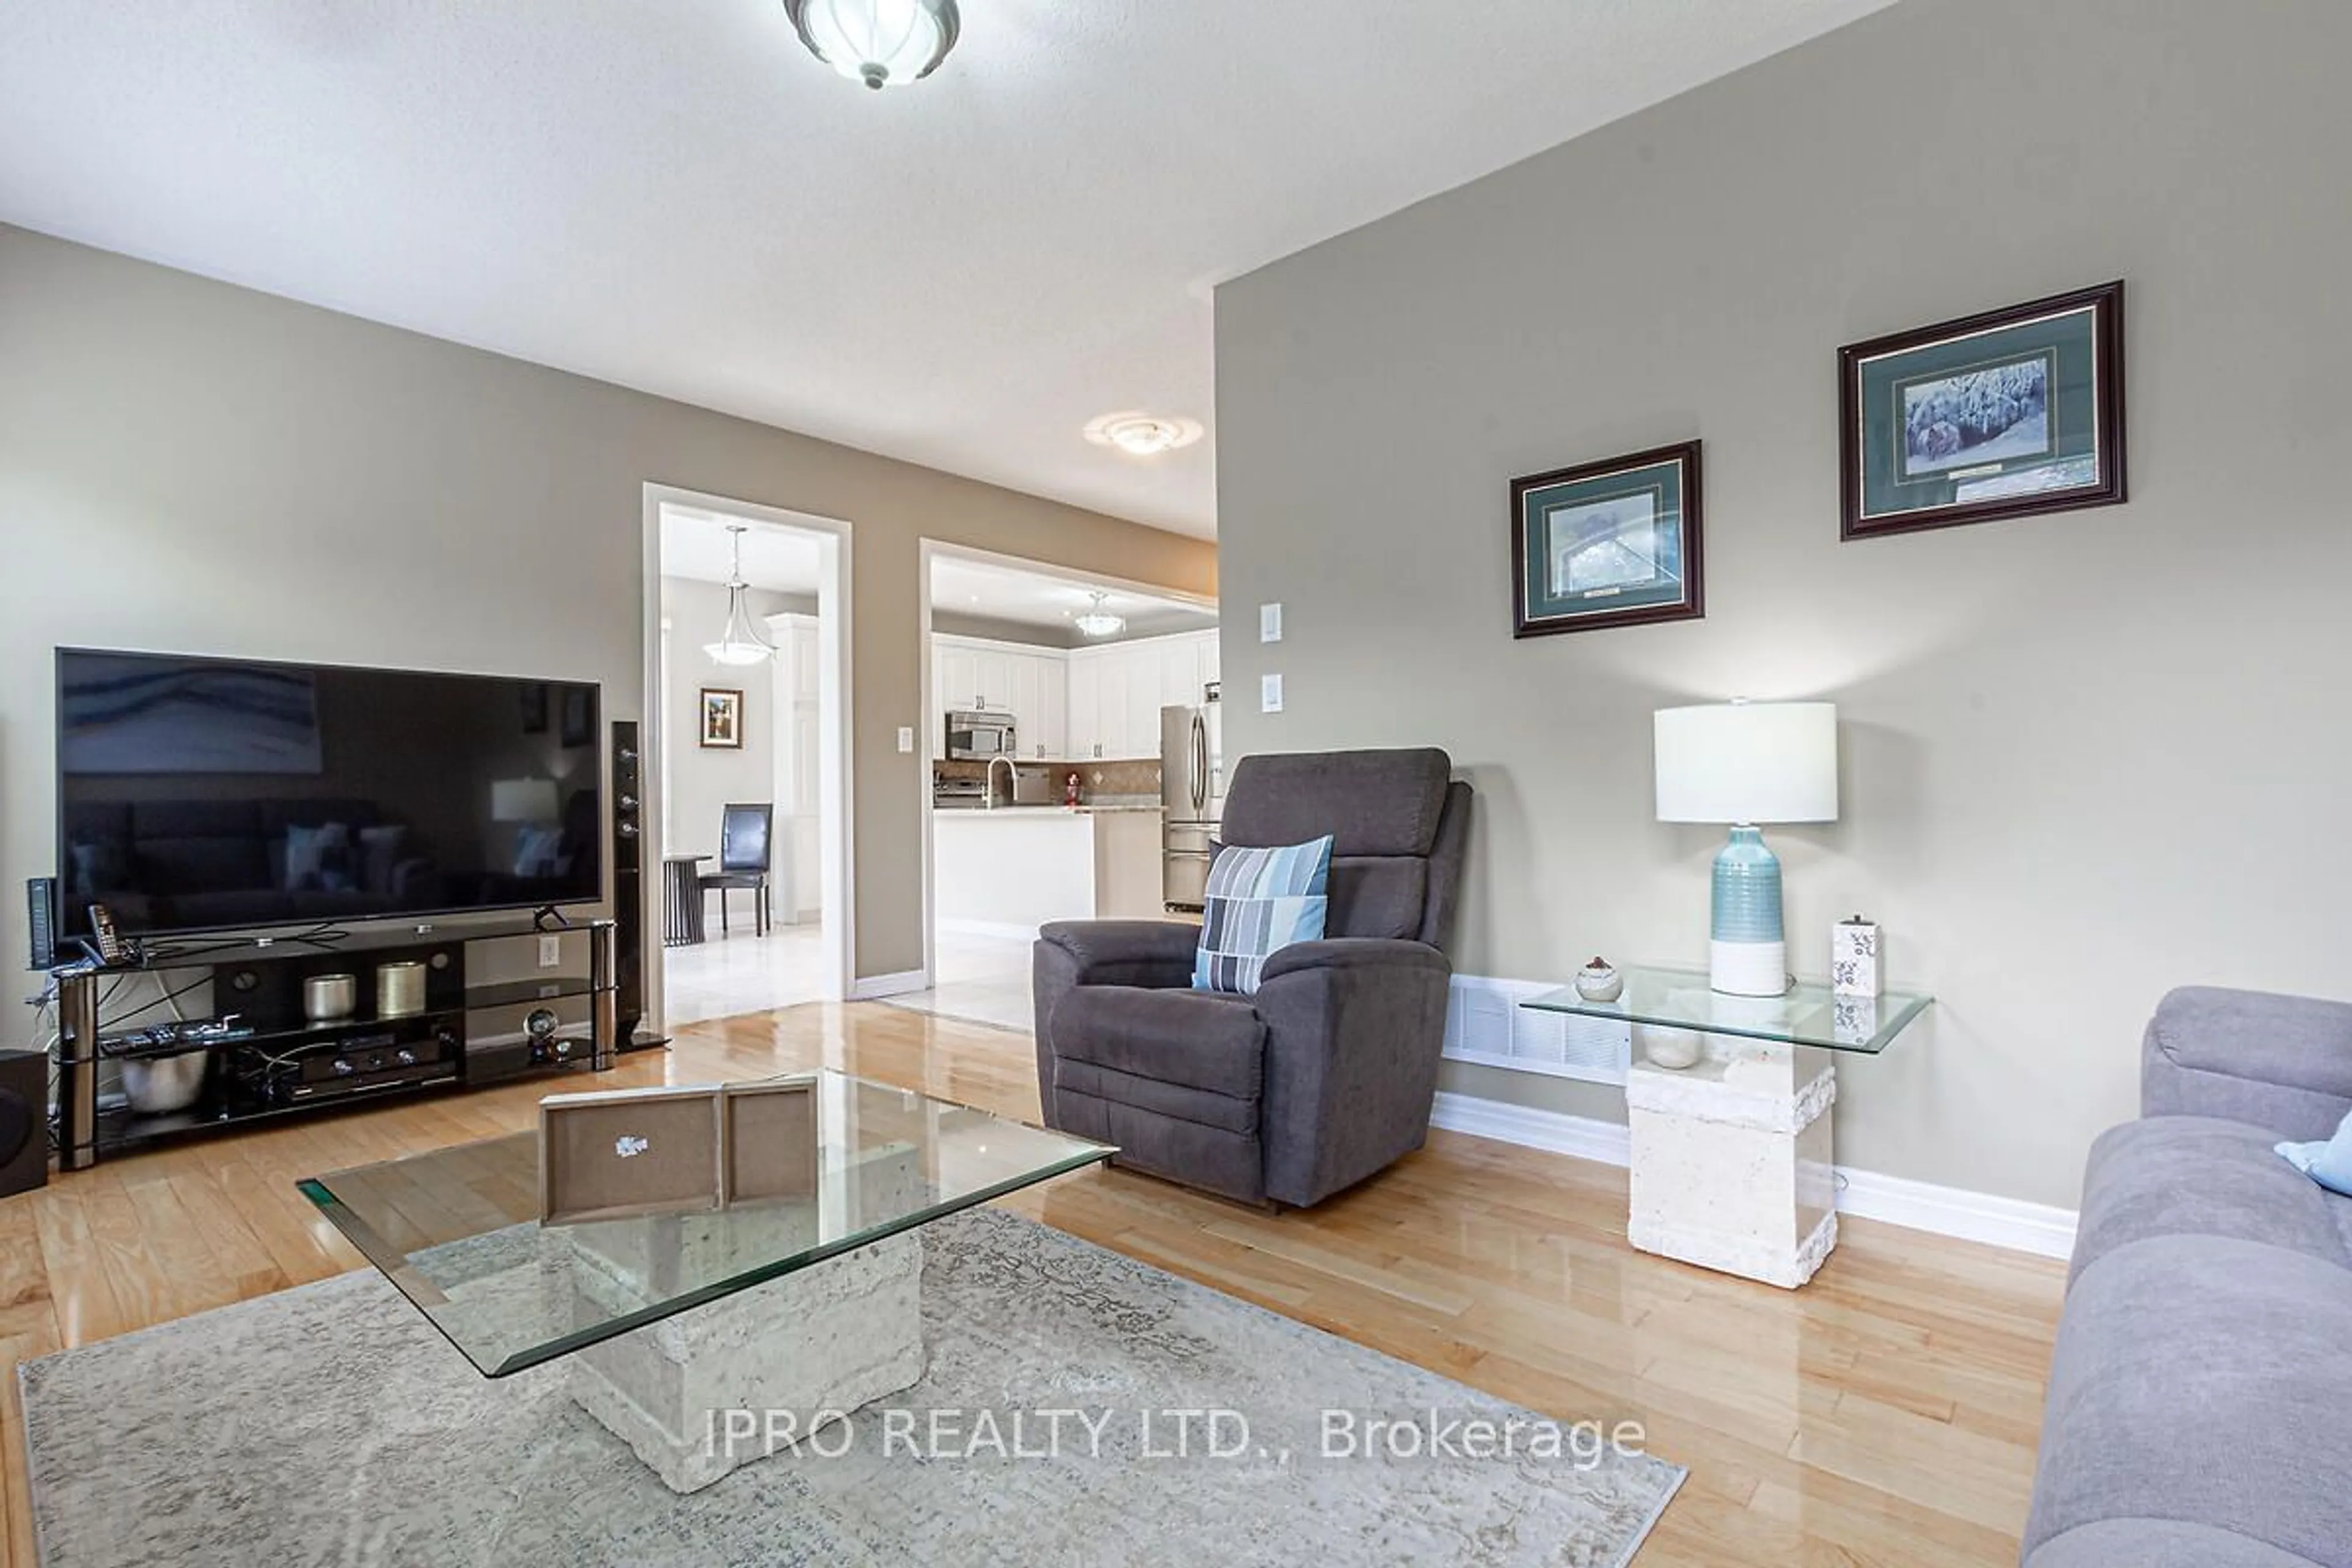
x=1748, y=761
x=523, y=800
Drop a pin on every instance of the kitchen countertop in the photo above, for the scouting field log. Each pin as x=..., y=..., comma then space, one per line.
x=1034, y=811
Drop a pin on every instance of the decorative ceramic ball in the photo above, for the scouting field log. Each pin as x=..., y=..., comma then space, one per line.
x=1600, y=982
x=1673, y=1049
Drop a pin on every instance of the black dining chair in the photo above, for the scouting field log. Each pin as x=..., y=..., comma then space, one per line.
x=743, y=832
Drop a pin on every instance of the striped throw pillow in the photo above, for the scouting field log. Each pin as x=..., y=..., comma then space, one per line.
x=1259, y=900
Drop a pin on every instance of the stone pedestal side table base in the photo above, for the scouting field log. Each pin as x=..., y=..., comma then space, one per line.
x=1732, y=1167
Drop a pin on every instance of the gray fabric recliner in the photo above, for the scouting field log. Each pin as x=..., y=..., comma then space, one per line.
x=2198, y=1395
x=1327, y=1073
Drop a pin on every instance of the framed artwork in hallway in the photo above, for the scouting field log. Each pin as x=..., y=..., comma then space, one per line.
x=722, y=718
x=1611, y=544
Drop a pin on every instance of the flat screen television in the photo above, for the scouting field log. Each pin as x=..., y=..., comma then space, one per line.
x=218, y=794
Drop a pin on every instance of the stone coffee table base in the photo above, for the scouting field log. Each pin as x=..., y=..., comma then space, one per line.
x=824, y=1340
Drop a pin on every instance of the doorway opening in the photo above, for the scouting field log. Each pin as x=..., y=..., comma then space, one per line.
x=1040, y=679
x=746, y=751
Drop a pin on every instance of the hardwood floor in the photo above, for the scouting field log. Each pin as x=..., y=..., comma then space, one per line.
x=1886, y=1414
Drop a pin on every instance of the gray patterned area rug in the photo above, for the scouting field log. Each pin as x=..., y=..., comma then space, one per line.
x=331, y=1425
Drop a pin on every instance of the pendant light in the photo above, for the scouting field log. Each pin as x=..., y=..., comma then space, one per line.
x=882, y=43
x=741, y=643
x=1099, y=622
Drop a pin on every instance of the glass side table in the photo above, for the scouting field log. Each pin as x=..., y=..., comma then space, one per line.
x=1727, y=1105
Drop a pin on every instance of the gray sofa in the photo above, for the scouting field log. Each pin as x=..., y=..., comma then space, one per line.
x=1328, y=1072
x=2201, y=1400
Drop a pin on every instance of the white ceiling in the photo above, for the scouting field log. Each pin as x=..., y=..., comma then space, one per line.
x=1003, y=592
x=694, y=544
x=676, y=197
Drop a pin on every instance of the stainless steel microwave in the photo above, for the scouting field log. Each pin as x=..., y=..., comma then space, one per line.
x=976, y=737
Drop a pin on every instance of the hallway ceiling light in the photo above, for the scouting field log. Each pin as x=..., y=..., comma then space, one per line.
x=1140, y=434
x=882, y=43
x=1099, y=622
x=741, y=643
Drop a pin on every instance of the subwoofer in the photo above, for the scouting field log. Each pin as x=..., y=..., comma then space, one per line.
x=24, y=1120
x=628, y=890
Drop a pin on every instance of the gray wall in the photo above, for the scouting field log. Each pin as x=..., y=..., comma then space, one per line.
x=186, y=465
x=2087, y=757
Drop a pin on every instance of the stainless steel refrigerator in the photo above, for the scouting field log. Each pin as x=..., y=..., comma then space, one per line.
x=1191, y=799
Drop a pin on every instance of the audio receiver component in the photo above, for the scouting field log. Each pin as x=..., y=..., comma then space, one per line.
x=354, y=1064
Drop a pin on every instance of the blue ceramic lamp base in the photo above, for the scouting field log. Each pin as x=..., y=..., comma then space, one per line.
x=1747, y=955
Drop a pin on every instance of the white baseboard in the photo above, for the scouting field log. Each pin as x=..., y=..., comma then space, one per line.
x=2042, y=1229
x=1006, y=928
x=873, y=987
x=2038, y=1229
x=1579, y=1137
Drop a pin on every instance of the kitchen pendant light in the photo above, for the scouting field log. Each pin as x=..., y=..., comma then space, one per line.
x=1099, y=622
x=882, y=43
x=741, y=643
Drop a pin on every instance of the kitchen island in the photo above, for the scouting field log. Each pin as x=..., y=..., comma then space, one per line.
x=1008, y=871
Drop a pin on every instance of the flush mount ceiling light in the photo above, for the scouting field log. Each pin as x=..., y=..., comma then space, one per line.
x=882, y=43
x=1140, y=434
x=741, y=643
x=1099, y=622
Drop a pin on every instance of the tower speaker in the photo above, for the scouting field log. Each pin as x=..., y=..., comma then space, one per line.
x=24, y=1120
x=628, y=889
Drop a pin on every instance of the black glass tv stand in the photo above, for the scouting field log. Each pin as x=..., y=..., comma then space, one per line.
x=462, y=1006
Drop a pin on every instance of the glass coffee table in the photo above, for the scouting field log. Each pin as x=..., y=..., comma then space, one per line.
x=794, y=1309
x=1728, y=1109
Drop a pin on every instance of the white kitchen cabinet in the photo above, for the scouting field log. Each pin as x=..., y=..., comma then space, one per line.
x=1091, y=704
x=1053, y=701
x=1181, y=678
x=1030, y=683
x=1115, y=728
x=960, y=664
x=1085, y=721
x=1117, y=690
x=1007, y=872
x=1039, y=700
x=993, y=676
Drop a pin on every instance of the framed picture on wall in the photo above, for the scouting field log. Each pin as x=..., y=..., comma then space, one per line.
x=722, y=718
x=2002, y=414
x=1612, y=543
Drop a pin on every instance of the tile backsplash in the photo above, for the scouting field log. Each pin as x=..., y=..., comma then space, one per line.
x=1128, y=780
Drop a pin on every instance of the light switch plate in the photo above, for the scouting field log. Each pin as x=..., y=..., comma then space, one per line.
x=551, y=951
x=1269, y=623
x=906, y=737
x=1269, y=694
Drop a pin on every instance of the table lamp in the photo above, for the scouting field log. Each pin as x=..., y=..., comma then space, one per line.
x=1744, y=763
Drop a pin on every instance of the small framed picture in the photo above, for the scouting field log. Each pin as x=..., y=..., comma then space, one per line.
x=722, y=718
x=1613, y=543
x=2002, y=414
